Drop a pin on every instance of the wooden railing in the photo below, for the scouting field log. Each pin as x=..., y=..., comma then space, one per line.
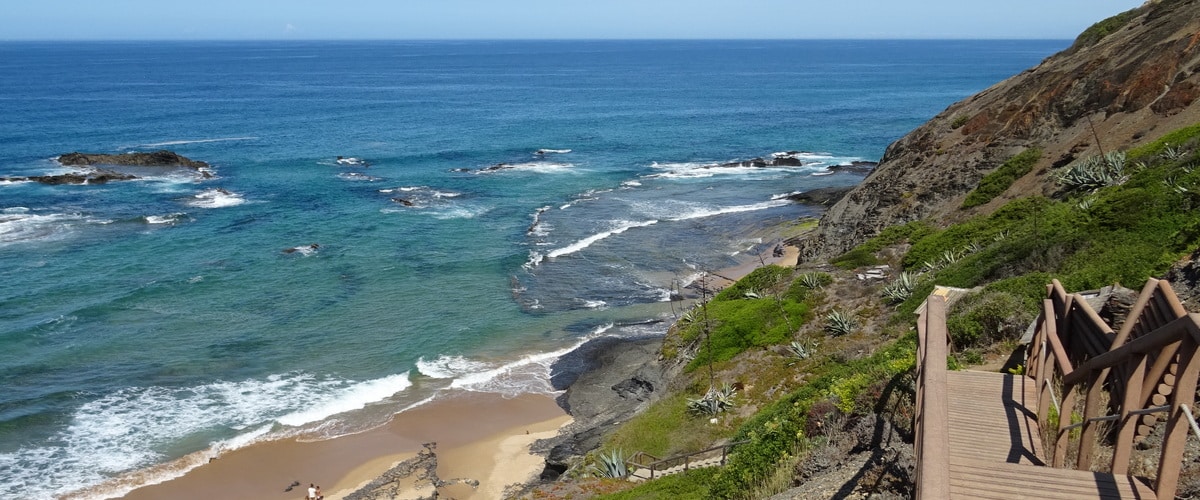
x=638, y=460
x=932, y=416
x=1150, y=366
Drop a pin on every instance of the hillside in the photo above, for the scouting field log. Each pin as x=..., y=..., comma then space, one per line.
x=1125, y=80
x=1085, y=169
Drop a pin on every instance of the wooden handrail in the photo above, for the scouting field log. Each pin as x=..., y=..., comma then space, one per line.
x=686, y=457
x=933, y=410
x=1157, y=335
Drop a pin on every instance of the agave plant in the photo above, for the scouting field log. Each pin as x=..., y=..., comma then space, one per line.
x=812, y=281
x=715, y=401
x=1171, y=153
x=1095, y=172
x=1173, y=184
x=973, y=247
x=1086, y=204
x=931, y=265
x=799, y=351
x=901, y=289
x=838, y=323
x=611, y=464
x=1000, y=236
x=752, y=294
x=950, y=257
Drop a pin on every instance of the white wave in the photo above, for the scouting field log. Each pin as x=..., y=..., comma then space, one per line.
x=356, y=176
x=354, y=397
x=545, y=151
x=595, y=304
x=449, y=366
x=622, y=226
x=631, y=184
x=216, y=198
x=22, y=226
x=8, y=182
x=195, y=141
x=710, y=212
x=351, y=161
x=823, y=172
x=535, y=258
x=126, y=430
x=15, y=210
x=164, y=219
x=445, y=194
x=529, y=374
x=785, y=196
x=539, y=167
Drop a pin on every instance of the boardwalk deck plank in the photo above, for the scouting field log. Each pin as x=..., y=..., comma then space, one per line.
x=996, y=447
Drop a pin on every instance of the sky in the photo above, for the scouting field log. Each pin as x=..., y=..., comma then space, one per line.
x=547, y=19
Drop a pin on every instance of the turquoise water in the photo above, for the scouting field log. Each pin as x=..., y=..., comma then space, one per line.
x=160, y=320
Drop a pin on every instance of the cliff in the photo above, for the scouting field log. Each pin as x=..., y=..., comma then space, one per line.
x=1132, y=77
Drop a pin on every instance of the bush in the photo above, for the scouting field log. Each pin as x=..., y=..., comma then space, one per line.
x=690, y=485
x=987, y=317
x=1098, y=31
x=959, y=121
x=759, y=279
x=856, y=258
x=738, y=325
x=998, y=181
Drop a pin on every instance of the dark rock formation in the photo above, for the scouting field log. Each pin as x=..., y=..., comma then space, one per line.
x=160, y=158
x=1137, y=82
x=422, y=469
x=98, y=176
x=609, y=379
x=1185, y=280
x=821, y=196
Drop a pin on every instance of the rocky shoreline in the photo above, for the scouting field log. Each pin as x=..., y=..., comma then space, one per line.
x=91, y=174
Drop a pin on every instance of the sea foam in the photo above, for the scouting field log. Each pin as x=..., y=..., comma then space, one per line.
x=126, y=430
x=621, y=226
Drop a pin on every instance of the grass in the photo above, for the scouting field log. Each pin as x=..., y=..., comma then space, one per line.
x=690, y=485
x=1098, y=31
x=998, y=181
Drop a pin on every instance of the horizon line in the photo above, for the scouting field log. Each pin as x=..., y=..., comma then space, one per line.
x=184, y=40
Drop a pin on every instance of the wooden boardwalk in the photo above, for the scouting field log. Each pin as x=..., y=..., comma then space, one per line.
x=996, y=446
x=978, y=434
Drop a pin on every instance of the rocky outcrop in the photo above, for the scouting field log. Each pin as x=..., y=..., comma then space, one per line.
x=1127, y=79
x=606, y=380
x=160, y=158
x=98, y=176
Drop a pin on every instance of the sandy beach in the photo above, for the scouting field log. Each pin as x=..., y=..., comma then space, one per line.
x=481, y=436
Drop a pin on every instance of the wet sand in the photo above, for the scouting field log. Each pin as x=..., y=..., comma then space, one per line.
x=474, y=432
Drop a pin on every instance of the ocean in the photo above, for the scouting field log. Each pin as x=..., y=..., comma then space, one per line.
x=497, y=205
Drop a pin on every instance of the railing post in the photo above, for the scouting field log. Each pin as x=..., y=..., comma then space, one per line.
x=1128, y=423
x=1175, y=436
x=1091, y=409
x=1063, y=436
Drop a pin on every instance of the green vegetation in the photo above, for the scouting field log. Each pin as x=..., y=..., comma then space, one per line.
x=1183, y=138
x=959, y=121
x=778, y=430
x=691, y=485
x=1119, y=232
x=1098, y=31
x=855, y=258
x=999, y=180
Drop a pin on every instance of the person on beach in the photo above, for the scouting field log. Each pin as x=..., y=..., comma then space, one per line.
x=319, y=496
x=312, y=492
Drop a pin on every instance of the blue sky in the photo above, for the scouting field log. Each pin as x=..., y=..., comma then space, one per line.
x=528, y=19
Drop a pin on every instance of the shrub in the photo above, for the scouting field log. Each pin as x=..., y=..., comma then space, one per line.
x=998, y=181
x=987, y=317
x=959, y=121
x=759, y=279
x=1098, y=31
x=689, y=485
x=858, y=257
x=1095, y=172
x=737, y=325
x=1180, y=138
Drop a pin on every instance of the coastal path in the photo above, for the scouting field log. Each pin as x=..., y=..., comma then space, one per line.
x=644, y=466
x=999, y=436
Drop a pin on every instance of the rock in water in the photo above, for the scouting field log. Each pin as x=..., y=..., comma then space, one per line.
x=160, y=158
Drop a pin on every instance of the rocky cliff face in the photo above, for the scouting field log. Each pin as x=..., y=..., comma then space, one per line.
x=1128, y=79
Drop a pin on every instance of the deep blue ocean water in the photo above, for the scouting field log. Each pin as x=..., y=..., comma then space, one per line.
x=160, y=320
